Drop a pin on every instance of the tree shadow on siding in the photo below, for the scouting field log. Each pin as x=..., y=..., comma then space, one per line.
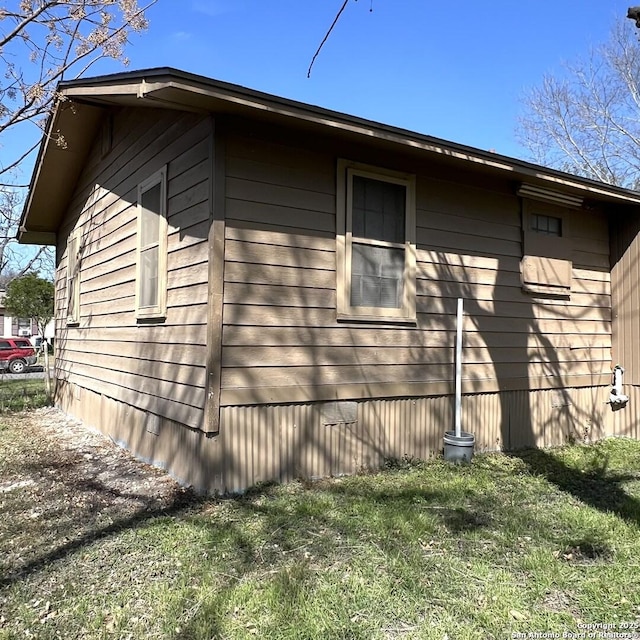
x=519, y=362
x=543, y=413
x=285, y=280
x=145, y=371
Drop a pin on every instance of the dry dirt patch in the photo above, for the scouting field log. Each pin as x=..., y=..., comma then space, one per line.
x=62, y=485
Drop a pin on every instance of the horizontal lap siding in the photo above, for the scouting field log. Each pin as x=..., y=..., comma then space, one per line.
x=157, y=367
x=279, y=254
x=280, y=329
x=469, y=246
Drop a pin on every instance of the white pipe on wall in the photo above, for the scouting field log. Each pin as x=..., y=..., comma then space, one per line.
x=616, y=397
x=458, y=382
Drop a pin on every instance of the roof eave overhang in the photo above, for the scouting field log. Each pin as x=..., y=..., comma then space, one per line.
x=63, y=152
x=178, y=94
x=77, y=117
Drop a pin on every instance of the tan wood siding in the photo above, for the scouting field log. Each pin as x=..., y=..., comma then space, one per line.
x=625, y=276
x=279, y=323
x=286, y=442
x=159, y=367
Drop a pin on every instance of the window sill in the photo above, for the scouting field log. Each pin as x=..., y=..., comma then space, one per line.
x=142, y=318
x=547, y=292
x=368, y=319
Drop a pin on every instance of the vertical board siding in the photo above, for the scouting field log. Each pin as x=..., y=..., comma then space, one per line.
x=258, y=444
x=625, y=275
x=626, y=421
x=159, y=368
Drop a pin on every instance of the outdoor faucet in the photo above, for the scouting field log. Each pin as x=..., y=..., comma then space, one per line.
x=616, y=397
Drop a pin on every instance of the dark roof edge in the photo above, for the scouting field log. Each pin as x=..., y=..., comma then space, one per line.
x=490, y=157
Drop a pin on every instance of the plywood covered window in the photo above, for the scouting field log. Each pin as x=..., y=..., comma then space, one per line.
x=73, y=277
x=376, y=243
x=151, y=265
x=546, y=266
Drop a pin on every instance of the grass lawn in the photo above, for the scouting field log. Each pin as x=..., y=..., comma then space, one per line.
x=542, y=542
x=21, y=394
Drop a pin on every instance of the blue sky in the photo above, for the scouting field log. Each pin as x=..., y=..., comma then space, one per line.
x=451, y=70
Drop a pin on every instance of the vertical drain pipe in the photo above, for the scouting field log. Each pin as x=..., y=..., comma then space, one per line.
x=458, y=382
x=458, y=444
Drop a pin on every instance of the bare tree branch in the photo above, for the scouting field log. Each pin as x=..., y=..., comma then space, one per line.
x=41, y=43
x=326, y=37
x=586, y=118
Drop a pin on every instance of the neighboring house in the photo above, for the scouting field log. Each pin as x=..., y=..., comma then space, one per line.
x=25, y=327
x=251, y=288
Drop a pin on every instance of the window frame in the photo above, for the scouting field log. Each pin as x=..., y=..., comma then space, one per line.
x=73, y=277
x=406, y=313
x=157, y=311
x=536, y=218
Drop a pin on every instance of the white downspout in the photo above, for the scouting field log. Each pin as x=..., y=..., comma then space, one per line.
x=458, y=383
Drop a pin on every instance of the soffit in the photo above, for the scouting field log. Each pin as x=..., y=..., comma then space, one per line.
x=77, y=117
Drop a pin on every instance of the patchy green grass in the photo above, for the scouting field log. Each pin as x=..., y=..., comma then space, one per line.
x=535, y=542
x=21, y=394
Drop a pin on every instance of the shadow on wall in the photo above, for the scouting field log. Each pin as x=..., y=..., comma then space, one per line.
x=158, y=367
x=279, y=318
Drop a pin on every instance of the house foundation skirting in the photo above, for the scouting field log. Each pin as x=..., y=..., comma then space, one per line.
x=283, y=442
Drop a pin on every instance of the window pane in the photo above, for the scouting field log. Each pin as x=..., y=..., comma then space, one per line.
x=149, y=277
x=377, y=276
x=150, y=222
x=72, y=256
x=547, y=225
x=73, y=278
x=378, y=210
x=554, y=226
x=71, y=312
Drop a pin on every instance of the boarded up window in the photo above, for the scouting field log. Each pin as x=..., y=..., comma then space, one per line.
x=546, y=275
x=152, y=248
x=376, y=243
x=73, y=277
x=546, y=267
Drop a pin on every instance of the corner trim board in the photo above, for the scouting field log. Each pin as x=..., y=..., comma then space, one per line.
x=215, y=299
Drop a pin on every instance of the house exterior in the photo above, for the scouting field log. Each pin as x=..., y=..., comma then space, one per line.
x=251, y=288
x=25, y=327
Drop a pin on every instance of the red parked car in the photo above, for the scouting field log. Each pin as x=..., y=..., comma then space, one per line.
x=16, y=354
